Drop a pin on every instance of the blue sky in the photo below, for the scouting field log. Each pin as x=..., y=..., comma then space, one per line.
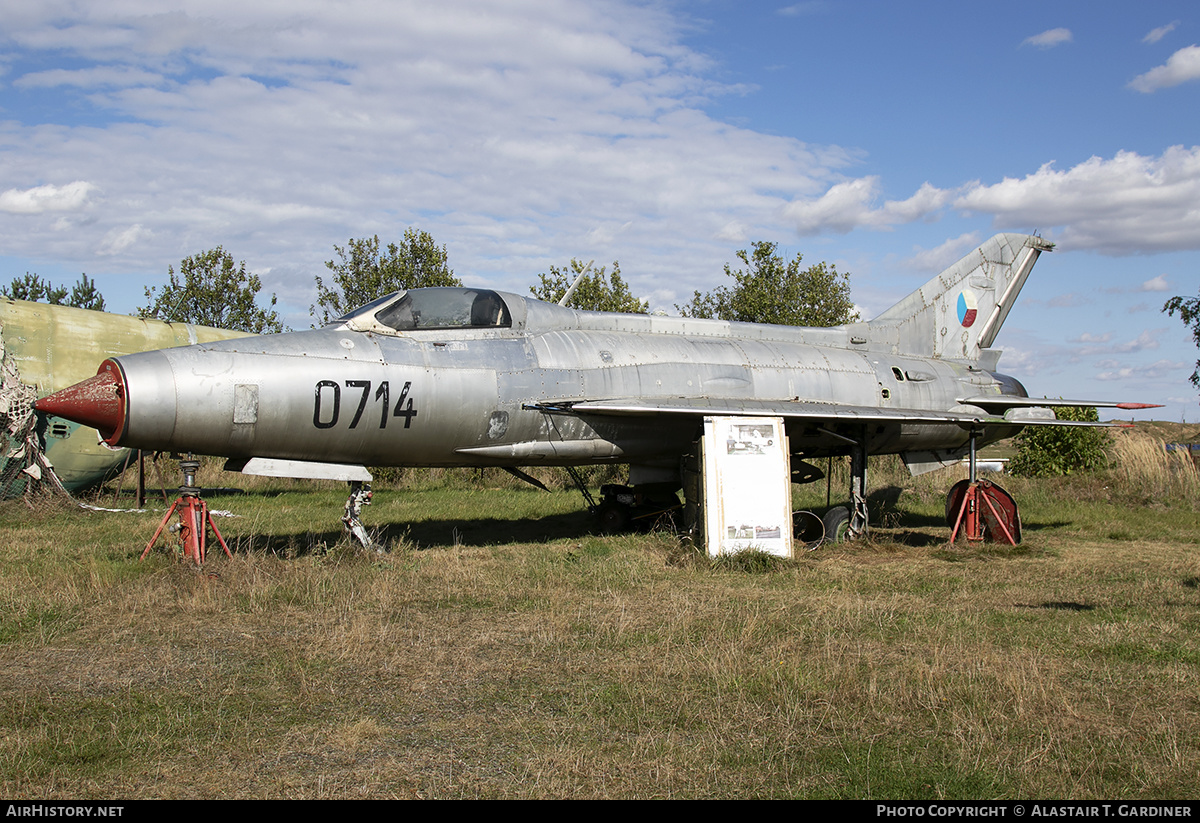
x=888, y=138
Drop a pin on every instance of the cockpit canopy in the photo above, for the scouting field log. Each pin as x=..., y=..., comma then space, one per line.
x=436, y=308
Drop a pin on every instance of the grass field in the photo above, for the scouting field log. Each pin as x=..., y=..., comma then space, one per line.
x=501, y=649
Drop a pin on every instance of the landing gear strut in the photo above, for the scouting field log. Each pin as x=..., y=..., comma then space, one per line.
x=858, y=490
x=850, y=523
x=360, y=495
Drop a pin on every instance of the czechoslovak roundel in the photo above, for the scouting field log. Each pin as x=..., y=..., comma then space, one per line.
x=968, y=307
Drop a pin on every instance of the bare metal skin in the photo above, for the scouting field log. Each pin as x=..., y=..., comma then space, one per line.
x=472, y=377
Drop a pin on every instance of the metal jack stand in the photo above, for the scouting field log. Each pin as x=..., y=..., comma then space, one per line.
x=194, y=517
x=982, y=509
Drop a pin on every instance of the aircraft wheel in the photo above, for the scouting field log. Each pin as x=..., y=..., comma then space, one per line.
x=614, y=517
x=837, y=524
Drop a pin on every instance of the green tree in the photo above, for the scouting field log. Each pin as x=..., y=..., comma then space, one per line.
x=1189, y=313
x=210, y=290
x=33, y=288
x=597, y=291
x=1052, y=451
x=362, y=273
x=84, y=295
x=770, y=290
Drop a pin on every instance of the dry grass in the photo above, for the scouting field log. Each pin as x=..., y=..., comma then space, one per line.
x=1140, y=461
x=500, y=650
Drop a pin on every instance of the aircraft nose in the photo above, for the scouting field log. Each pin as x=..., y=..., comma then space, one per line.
x=98, y=402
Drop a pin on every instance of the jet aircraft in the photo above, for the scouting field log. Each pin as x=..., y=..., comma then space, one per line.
x=476, y=377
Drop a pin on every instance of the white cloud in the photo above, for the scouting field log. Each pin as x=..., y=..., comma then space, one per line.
x=1146, y=340
x=940, y=258
x=518, y=134
x=1027, y=363
x=47, y=198
x=1160, y=368
x=734, y=232
x=844, y=207
x=1153, y=371
x=926, y=202
x=87, y=78
x=850, y=205
x=1159, y=33
x=605, y=235
x=117, y=241
x=1049, y=38
x=1096, y=344
x=1182, y=66
x=1156, y=284
x=1124, y=205
x=803, y=9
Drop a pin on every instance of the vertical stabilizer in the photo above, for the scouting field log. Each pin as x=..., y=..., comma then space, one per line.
x=958, y=313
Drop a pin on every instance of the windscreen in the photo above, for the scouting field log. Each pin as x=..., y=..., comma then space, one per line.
x=445, y=308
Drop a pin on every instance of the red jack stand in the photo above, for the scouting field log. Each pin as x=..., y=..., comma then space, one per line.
x=194, y=518
x=985, y=512
x=982, y=509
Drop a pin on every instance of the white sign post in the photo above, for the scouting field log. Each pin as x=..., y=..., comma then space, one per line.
x=747, y=486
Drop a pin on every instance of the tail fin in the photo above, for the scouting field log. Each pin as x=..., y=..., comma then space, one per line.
x=958, y=313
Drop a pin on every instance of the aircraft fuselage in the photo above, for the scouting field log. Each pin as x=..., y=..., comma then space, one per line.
x=360, y=392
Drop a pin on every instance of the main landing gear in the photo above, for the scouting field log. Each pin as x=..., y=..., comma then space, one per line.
x=624, y=508
x=628, y=508
x=845, y=523
x=978, y=509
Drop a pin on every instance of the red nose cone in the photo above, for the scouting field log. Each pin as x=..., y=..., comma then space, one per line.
x=98, y=402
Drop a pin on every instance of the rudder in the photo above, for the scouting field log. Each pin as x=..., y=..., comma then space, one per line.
x=958, y=313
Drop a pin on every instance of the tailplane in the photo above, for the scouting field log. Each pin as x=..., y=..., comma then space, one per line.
x=957, y=314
